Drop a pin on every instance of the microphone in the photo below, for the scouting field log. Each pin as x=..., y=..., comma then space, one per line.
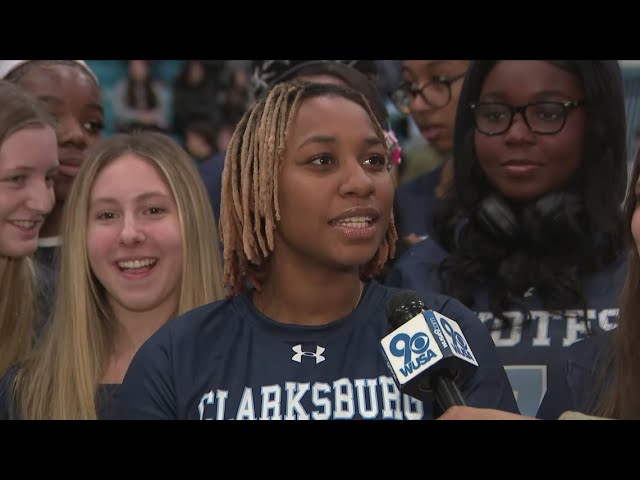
x=426, y=351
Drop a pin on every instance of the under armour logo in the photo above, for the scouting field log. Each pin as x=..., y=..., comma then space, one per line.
x=299, y=354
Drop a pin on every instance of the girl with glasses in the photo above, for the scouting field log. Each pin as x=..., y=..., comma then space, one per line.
x=532, y=236
x=429, y=93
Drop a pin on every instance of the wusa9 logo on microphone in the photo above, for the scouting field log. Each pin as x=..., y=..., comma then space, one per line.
x=422, y=342
x=410, y=349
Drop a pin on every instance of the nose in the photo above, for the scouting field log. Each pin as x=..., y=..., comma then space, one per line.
x=519, y=131
x=70, y=132
x=131, y=233
x=416, y=103
x=41, y=198
x=356, y=180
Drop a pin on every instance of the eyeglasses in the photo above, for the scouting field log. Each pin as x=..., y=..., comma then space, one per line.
x=436, y=93
x=545, y=118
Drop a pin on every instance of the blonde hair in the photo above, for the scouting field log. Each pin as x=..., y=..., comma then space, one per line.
x=60, y=380
x=249, y=209
x=18, y=111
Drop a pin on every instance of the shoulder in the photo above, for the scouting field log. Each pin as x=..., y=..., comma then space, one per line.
x=426, y=251
x=423, y=184
x=418, y=266
x=202, y=319
x=213, y=164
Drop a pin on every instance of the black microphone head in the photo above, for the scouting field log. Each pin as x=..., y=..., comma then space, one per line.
x=403, y=306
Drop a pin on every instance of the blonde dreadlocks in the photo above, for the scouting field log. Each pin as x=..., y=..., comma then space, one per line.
x=249, y=209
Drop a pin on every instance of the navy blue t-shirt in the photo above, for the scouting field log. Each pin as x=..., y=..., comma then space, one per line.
x=531, y=354
x=581, y=385
x=210, y=171
x=226, y=360
x=415, y=202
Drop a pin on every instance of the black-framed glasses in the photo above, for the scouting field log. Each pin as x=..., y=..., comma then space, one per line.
x=545, y=118
x=436, y=93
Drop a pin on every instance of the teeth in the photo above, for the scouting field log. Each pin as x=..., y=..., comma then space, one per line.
x=355, y=222
x=129, y=264
x=24, y=223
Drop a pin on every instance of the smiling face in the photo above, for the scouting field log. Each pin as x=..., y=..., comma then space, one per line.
x=435, y=124
x=335, y=191
x=521, y=164
x=134, y=239
x=28, y=163
x=73, y=98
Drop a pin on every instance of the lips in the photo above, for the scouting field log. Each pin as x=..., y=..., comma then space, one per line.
x=520, y=167
x=356, y=215
x=432, y=133
x=70, y=165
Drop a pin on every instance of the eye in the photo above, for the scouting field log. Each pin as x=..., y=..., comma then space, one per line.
x=155, y=210
x=492, y=113
x=549, y=112
x=49, y=180
x=376, y=161
x=106, y=216
x=441, y=79
x=94, y=127
x=323, y=160
x=16, y=179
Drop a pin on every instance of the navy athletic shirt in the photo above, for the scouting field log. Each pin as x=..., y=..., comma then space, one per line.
x=226, y=360
x=534, y=353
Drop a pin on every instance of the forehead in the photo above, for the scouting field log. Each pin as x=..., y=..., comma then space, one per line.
x=66, y=82
x=526, y=77
x=330, y=115
x=22, y=146
x=128, y=176
x=428, y=67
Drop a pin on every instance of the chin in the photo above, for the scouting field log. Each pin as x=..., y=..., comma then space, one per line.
x=22, y=251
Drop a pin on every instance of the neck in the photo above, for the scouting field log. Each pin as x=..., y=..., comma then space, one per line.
x=134, y=328
x=446, y=178
x=53, y=222
x=308, y=296
x=3, y=265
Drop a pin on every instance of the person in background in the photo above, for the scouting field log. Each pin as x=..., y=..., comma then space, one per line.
x=138, y=251
x=429, y=92
x=139, y=101
x=601, y=376
x=28, y=164
x=532, y=237
x=70, y=92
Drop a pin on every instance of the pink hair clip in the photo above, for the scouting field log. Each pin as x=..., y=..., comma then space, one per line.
x=395, y=150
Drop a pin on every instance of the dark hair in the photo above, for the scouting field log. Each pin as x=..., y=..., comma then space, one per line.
x=600, y=183
x=150, y=99
x=355, y=80
x=267, y=73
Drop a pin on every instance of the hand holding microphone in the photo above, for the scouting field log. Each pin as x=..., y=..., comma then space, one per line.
x=426, y=352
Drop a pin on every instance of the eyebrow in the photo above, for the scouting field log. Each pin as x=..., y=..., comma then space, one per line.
x=139, y=198
x=542, y=95
x=58, y=101
x=23, y=169
x=324, y=139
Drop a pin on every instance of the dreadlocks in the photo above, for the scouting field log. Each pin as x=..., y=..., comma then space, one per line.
x=249, y=209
